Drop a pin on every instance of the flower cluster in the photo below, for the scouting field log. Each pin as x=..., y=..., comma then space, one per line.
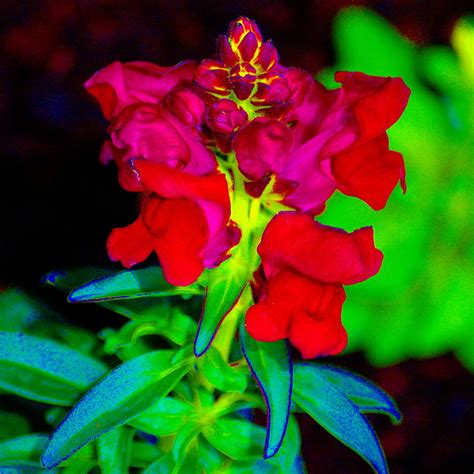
x=237, y=155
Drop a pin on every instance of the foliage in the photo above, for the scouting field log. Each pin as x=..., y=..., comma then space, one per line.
x=141, y=399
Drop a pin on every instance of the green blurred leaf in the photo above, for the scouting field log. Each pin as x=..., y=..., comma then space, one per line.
x=220, y=374
x=271, y=366
x=44, y=370
x=330, y=408
x=129, y=284
x=115, y=450
x=12, y=425
x=224, y=287
x=124, y=393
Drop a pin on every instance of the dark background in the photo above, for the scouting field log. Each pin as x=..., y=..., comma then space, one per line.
x=58, y=204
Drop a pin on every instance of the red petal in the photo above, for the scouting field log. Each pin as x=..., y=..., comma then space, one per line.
x=326, y=254
x=369, y=172
x=130, y=245
x=181, y=234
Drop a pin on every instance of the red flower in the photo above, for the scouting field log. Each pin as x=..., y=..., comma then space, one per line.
x=184, y=219
x=121, y=84
x=152, y=133
x=300, y=290
x=329, y=140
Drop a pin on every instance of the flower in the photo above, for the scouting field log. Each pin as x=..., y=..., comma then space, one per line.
x=299, y=288
x=150, y=132
x=121, y=84
x=329, y=140
x=184, y=219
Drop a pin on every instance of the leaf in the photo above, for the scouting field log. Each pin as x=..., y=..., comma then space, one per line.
x=224, y=287
x=45, y=371
x=23, y=448
x=329, y=407
x=271, y=367
x=238, y=439
x=365, y=394
x=164, y=418
x=129, y=284
x=288, y=456
x=114, y=450
x=171, y=323
x=66, y=280
x=12, y=425
x=163, y=465
x=124, y=393
x=220, y=374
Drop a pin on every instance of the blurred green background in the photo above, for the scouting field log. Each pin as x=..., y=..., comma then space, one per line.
x=421, y=304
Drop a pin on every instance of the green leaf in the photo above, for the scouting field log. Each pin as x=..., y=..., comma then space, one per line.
x=66, y=280
x=124, y=393
x=224, y=287
x=271, y=366
x=23, y=448
x=20, y=312
x=129, y=284
x=114, y=450
x=220, y=374
x=171, y=323
x=12, y=425
x=45, y=371
x=238, y=439
x=329, y=407
x=164, y=418
x=163, y=465
x=365, y=394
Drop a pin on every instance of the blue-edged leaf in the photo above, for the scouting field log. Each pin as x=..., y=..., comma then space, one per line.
x=164, y=418
x=44, y=370
x=288, y=457
x=224, y=287
x=27, y=467
x=129, y=284
x=66, y=280
x=329, y=407
x=365, y=394
x=271, y=366
x=114, y=450
x=220, y=374
x=123, y=394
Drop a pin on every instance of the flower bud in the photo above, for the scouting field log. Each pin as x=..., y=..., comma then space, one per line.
x=225, y=116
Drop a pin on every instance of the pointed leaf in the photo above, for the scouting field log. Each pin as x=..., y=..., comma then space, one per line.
x=271, y=366
x=129, y=284
x=224, y=287
x=329, y=407
x=365, y=394
x=114, y=450
x=124, y=393
x=220, y=374
x=44, y=370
